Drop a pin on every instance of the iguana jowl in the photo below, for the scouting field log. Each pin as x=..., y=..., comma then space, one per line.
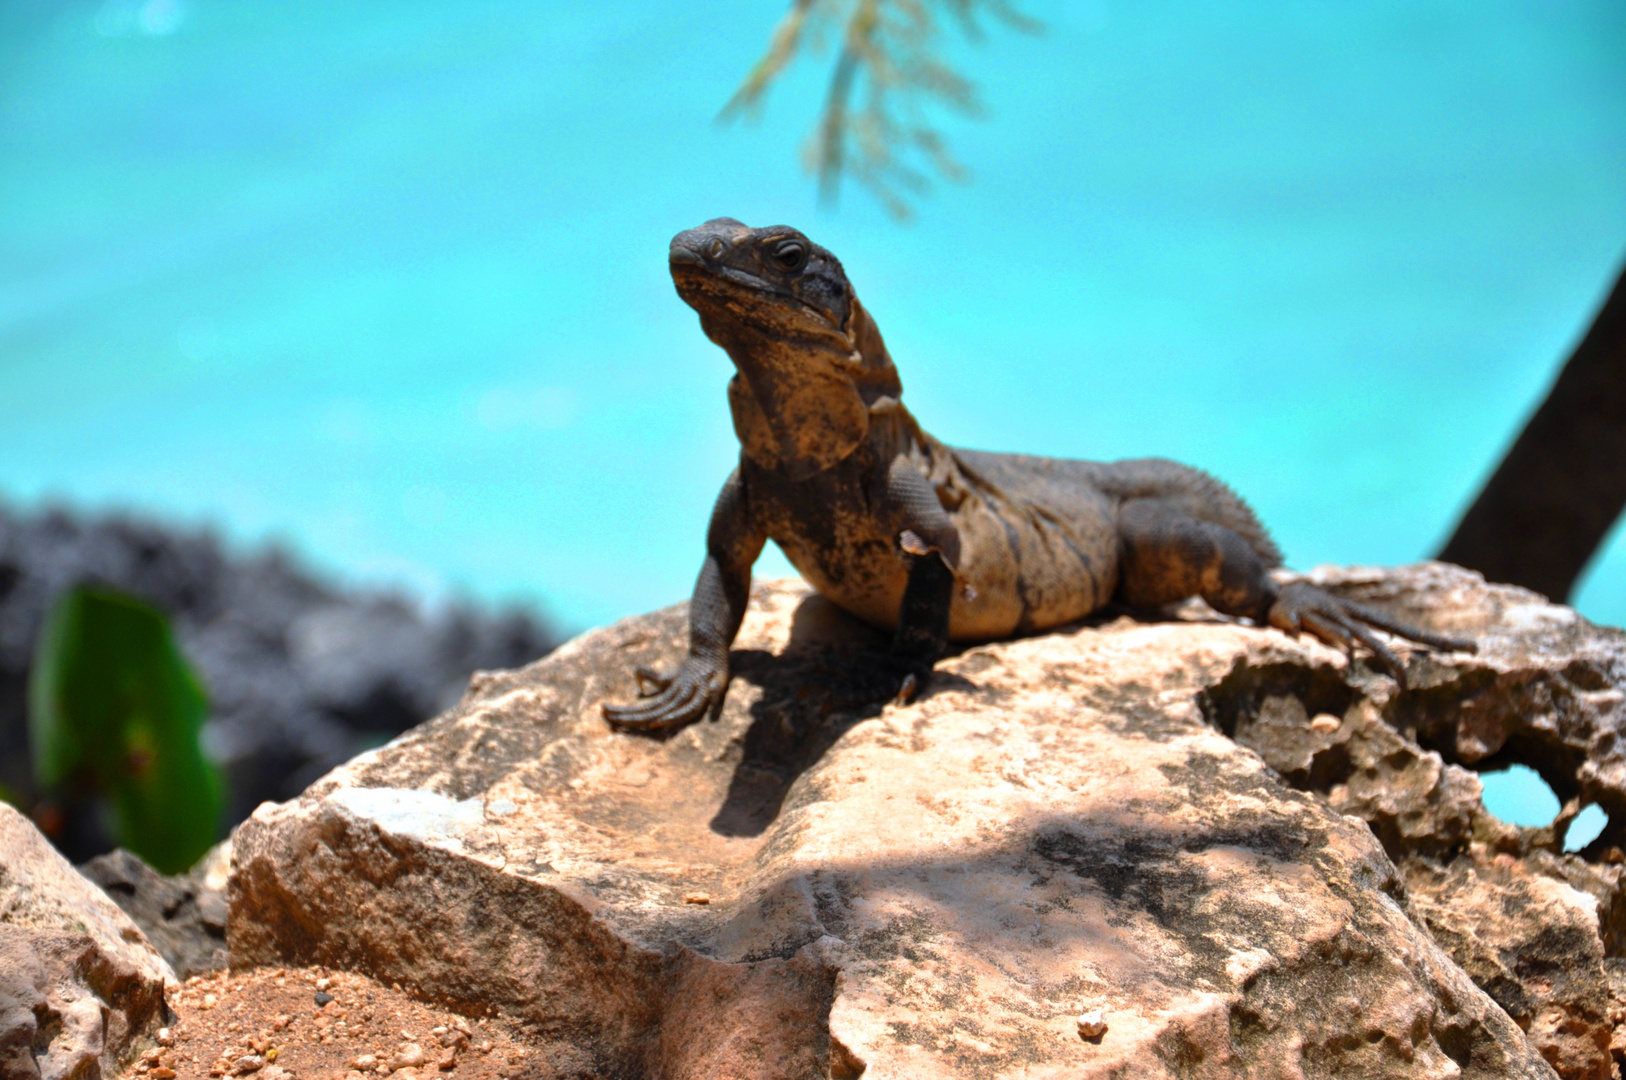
x=933, y=543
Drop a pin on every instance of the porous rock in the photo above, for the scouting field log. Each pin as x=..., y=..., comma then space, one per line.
x=79, y=984
x=1531, y=941
x=1538, y=929
x=934, y=890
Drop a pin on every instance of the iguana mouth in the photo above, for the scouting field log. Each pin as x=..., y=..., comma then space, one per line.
x=695, y=276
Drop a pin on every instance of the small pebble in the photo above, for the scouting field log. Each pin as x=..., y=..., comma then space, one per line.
x=248, y=1063
x=281, y=1023
x=365, y=1063
x=1325, y=724
x=166, y=1037
x=323, y=998
x=409, y=1056
x=696, y=898
x=210, y=1001
x=1092, y=1024
x=162, y=1072
x=323, y=984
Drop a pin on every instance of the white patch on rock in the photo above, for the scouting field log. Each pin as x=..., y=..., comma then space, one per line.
x=422, y=815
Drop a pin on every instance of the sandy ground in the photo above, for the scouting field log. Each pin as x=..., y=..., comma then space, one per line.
x=276, y=1024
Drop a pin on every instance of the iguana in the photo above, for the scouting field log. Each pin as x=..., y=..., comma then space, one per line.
x=931, y=542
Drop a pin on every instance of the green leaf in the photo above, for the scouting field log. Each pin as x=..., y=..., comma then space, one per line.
x=115, y=709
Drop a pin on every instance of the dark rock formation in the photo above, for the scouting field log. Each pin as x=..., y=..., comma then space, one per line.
x=301, y=675
x=184, y=916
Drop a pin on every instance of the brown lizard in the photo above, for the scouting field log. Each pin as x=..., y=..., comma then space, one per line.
x=931, y=542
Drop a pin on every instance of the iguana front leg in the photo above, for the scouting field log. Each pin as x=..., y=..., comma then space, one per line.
x=733, y=542
x=1168, y=555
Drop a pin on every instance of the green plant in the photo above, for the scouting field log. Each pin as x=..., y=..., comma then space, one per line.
x=116, y=711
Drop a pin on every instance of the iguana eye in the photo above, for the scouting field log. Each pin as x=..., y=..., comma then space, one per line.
x=716, y=248
x=789, y=255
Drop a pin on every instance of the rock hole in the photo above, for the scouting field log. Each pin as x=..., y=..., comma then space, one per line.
x=1519, y=796
x=1247, y=693
x=1587, y=827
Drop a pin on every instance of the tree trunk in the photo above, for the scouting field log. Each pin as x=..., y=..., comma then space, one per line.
x=1558, y=490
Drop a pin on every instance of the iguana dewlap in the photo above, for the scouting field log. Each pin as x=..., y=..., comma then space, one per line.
x=933, y=543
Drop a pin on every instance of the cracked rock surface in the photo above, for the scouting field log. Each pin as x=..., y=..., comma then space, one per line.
x=79, y=984
x=1541, y=931
x=802, y=888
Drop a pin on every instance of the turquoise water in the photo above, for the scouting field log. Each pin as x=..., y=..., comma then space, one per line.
x=386, y=281
x=1519, y=796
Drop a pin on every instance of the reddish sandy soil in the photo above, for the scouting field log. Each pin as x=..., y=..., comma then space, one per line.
x=266, y=1024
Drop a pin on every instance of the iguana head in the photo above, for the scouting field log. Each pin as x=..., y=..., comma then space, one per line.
x=810, y=360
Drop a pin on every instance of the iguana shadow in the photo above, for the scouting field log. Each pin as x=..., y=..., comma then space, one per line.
x=825, y=682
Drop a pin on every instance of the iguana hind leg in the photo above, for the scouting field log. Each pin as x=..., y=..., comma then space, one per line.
x=868, y=676
x=923, y=622
x=1166, y=555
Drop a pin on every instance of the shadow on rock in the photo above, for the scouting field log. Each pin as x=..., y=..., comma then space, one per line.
x=831, y=678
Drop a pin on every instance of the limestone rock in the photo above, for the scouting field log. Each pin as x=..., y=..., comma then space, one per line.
x=1536, y=929
x=184, y=915
x=936, y=890
x=1547, y=688
x=1531, y=941
x=79, y=984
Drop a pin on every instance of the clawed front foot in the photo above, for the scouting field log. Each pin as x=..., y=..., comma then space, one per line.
x=670, y=701
x=1301, y=606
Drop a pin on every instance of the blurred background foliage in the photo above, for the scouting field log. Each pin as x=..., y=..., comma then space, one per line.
x=888, y=56
x=116, y=713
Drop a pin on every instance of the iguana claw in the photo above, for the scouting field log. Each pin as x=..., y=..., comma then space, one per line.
x=1302, y=606
x=669, y=701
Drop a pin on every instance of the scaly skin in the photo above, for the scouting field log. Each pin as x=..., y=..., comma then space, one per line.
x=933, y=543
